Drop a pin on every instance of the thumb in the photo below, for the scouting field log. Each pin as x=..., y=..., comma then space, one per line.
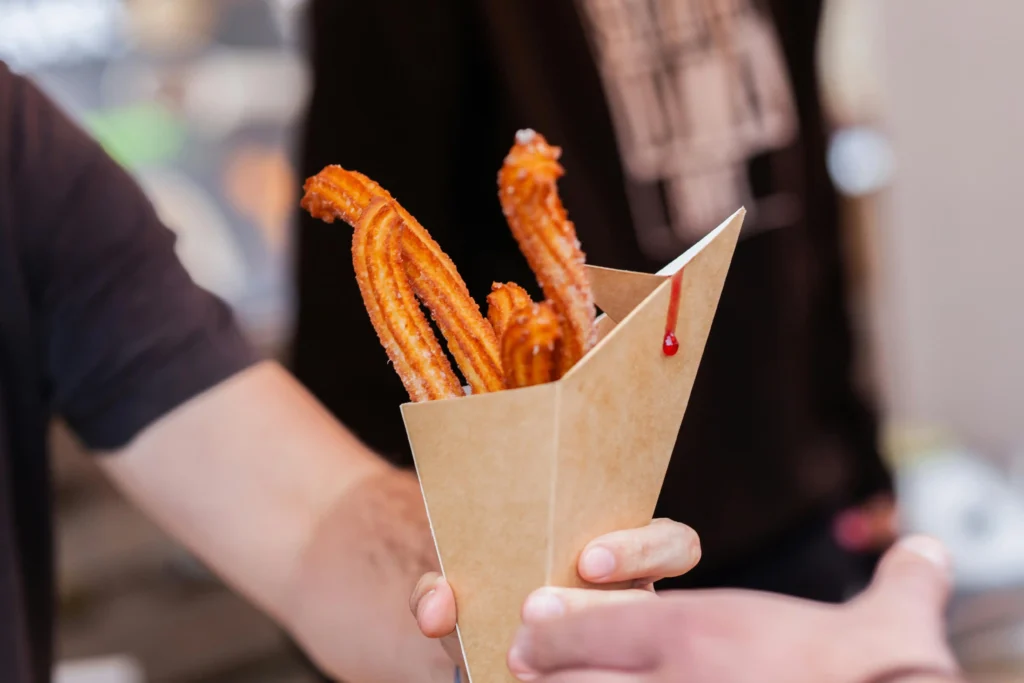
x=913, y=578
x=433, y=605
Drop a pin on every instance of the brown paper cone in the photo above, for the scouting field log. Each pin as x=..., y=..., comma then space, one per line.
x=518, y=482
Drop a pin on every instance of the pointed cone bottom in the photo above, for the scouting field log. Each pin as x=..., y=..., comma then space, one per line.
x=518, y=482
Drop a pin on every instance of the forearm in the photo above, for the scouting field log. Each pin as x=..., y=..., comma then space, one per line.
x=261, y=483
x=368, y=553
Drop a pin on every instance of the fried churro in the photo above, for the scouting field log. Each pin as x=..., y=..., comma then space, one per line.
x=394, y=311
x=503, y=302
x=530, y=346
x=399, y=266
x=338, y=193
x=529, y=197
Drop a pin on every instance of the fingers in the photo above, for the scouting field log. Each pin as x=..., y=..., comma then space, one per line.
x=551, y=602
x=622, y=637
x=915, y=575
x=905, y=604
x=433, y=604
x=660, y=550
x=423, y=586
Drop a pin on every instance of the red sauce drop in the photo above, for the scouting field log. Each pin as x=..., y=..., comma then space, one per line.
x=670, y=345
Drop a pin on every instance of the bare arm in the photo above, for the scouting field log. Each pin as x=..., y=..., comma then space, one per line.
x=241, y=464
x=251, y=473
x=259, y=481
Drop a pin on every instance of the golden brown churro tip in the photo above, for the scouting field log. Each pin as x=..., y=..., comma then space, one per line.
x=503, y=301
x=530, y=346
x=530, y=201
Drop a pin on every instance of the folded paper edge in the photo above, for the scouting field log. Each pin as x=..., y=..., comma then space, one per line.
x=433, y=537
x=602, y=280
x=688, y=255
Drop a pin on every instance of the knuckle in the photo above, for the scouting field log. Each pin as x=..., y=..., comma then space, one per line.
x=645, y=550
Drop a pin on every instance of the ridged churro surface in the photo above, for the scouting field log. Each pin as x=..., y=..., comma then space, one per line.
x=529, y=197
x=530, y=346
x=336, y=193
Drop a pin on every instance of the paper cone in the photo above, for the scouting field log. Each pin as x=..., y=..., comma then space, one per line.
x=517, y=482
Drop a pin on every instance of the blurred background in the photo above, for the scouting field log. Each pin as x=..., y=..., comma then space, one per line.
x=200, y=99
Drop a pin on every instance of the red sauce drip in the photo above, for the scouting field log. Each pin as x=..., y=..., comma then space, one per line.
x=670, y=345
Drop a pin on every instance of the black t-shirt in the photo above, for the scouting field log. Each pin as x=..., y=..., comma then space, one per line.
x=99, y=323
x=426, y=98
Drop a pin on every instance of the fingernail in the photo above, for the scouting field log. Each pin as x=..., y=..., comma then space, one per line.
x=516, y=663
x=425, y=600
x=543, y=604
x=597, y=563
x=928, y=548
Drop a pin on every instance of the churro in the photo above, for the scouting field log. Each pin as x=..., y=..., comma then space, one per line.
x=530, y=346
x=399, y=266
x=394, y=311
x=338, y=193
x=529, y=198
x=503, y=302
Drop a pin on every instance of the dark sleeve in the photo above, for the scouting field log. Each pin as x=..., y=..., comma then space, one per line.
x=125, y=335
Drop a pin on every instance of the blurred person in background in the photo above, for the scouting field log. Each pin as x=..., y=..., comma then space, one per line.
x=101, y=324
x=671, y=114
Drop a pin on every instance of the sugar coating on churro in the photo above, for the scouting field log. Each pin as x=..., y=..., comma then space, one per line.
x=399, y=266
x=529, y=197
x=503, y=302
x=530, y=345
x=339, y=193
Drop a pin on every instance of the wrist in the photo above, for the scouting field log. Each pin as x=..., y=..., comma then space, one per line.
x=349, y=604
